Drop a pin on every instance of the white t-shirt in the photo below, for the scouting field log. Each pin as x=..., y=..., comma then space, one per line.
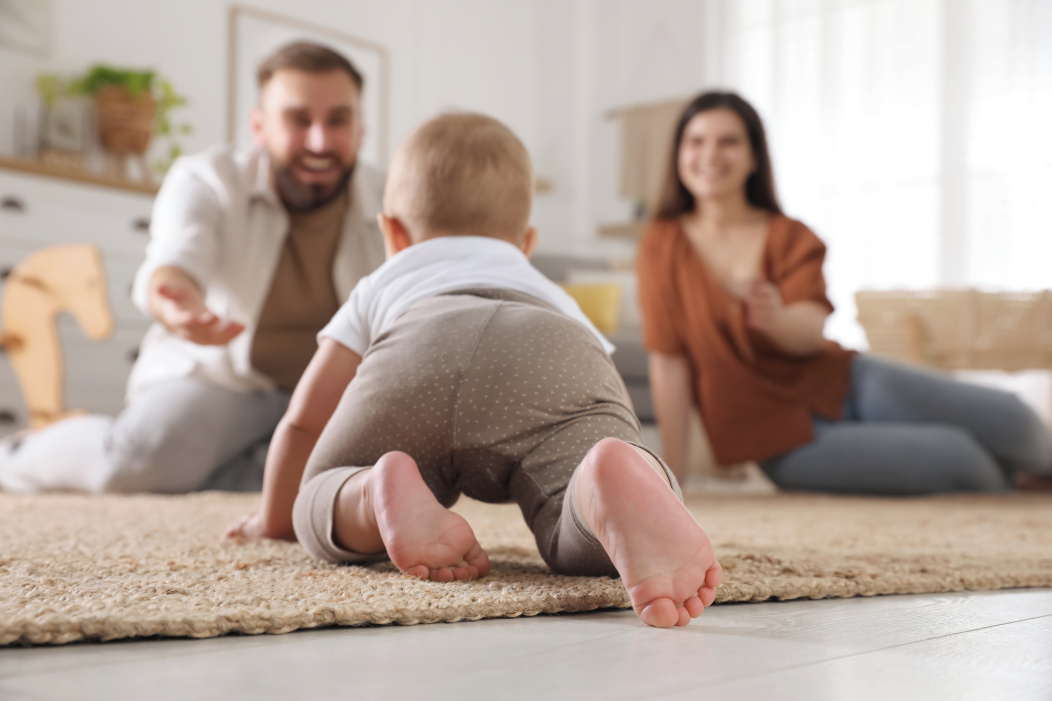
x=221, y=206
x=439, y=265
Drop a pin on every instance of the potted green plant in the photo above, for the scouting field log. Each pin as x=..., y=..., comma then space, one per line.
x=131, y=107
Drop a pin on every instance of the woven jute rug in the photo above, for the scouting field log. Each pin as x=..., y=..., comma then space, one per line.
x=82, y=568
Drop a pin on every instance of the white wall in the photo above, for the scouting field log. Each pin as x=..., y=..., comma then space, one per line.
x=550, y=69
x=473, y=54
x=595, y=55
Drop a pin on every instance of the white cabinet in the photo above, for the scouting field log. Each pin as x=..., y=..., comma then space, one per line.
x=38, y=211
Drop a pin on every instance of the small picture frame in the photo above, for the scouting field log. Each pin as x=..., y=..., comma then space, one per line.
x=27, y=26
x=64, y=125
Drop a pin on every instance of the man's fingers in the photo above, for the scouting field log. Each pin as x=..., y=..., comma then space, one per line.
x=176, y=294
x=201, y=321
x=227, y=332
x=169, y=292
x=217, y=334
x=184, y=322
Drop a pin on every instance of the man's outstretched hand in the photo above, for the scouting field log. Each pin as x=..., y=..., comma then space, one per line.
x=181, y=308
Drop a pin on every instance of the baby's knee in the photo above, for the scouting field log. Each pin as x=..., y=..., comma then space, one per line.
x=568, y=545
x=608, y=455
x=608, y=458
x=313, y=514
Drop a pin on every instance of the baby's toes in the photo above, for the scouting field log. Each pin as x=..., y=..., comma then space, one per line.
x=661, y=613
x=707, y=595
x=714, y=576
x=479, y=560
x=694, y=606
x=442, y=574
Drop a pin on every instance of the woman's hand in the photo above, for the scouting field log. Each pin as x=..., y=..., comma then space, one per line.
x=763, y=306
x=795, y=328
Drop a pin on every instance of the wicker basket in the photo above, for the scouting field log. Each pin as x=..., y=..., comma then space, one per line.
x=125, y=123
x=960, y=329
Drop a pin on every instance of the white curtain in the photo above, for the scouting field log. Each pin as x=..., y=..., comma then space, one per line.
x=913, y=136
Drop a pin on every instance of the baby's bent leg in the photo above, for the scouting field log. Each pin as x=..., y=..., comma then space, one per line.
x=577, y=551
x=389, y=507
x=664, y=557
x=422, y=537
x=314, y=513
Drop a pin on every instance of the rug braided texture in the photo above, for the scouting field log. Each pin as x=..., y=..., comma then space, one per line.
x=103, y=568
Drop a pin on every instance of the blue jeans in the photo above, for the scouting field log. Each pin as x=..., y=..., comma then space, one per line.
x=909, y=431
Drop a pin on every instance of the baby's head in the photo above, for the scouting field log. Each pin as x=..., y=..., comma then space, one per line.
x=459, y=174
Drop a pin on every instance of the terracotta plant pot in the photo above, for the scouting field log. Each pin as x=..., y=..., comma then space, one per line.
x=124, y=123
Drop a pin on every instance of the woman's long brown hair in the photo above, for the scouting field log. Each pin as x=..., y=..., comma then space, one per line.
x=676, y=200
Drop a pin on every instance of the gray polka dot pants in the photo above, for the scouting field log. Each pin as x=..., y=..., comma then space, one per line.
x=495, y=395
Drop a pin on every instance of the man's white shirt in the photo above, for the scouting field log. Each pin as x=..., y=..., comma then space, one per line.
x=218, y=218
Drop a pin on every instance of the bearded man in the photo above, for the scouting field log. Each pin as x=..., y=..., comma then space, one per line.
x=251, y=252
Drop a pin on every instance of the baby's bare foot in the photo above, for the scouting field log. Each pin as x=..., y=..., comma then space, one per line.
x=664, y=557
x=422, y=537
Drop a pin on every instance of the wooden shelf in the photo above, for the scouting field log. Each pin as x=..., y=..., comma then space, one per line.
x=81, y=176
x=628, y=230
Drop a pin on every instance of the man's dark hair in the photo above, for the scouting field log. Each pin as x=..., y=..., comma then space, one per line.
x=308, y=57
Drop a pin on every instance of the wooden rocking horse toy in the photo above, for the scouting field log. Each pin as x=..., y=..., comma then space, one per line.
x=52, y=280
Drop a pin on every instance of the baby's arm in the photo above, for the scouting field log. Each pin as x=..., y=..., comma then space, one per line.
x=313, y=402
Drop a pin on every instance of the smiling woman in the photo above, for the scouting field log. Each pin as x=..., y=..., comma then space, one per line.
x=734, y=304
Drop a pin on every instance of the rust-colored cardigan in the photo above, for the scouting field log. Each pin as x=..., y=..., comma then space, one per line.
x=756, y=401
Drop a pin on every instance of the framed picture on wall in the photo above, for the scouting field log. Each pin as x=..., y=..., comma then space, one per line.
x=253, y=34
x=27, y=25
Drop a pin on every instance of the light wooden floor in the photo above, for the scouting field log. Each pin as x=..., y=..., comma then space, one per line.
x=983, y=646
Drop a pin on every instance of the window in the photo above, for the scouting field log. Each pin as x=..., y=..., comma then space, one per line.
x=913, y=136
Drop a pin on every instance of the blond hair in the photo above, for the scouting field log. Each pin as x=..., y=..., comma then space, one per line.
x=462, y=174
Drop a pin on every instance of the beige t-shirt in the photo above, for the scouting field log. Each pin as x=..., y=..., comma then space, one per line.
x=302, y=297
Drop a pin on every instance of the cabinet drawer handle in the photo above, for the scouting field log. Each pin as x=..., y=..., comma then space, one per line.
x=6, y=273
x=10, y=203
x=141, y=225
x=133, y=355
x=8, y=417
